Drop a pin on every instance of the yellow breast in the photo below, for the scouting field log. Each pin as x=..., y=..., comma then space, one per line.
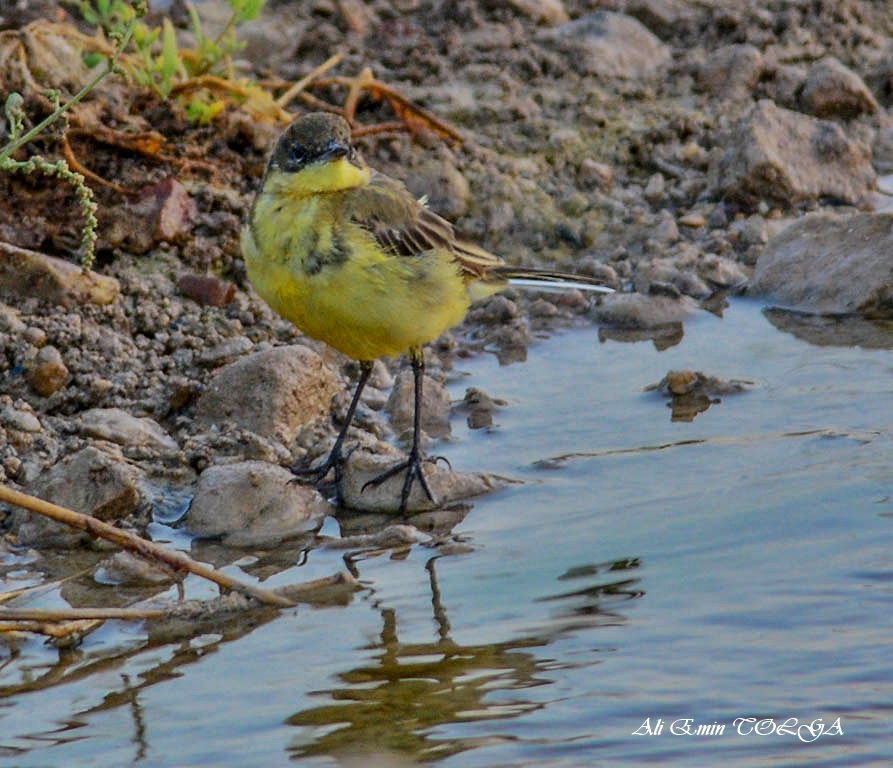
x=331, y=280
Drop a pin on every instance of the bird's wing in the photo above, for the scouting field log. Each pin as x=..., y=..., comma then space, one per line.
x=403, y=226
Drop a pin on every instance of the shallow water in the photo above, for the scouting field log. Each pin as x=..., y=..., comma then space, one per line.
x=735, y=566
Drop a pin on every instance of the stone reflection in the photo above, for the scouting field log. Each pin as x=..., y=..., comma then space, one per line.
x=834, y=330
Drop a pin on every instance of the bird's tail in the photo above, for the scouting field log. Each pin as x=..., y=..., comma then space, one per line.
x=546, y=279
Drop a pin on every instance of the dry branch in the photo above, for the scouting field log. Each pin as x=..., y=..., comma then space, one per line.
x=78, y=614
x=179, y=561
x=284, y=100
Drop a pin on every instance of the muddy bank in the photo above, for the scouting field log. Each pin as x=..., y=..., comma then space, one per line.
x=657, y=146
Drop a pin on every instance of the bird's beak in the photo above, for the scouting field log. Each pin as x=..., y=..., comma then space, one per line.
x=334, y=150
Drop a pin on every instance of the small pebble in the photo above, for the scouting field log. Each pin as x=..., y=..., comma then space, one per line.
x=49, y=372
x=693, y=220
x=21, y=420
x=206, y=290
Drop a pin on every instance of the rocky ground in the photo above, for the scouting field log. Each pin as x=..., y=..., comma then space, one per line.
x=662, y=146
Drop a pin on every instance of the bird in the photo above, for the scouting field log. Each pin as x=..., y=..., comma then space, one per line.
x=350, y=257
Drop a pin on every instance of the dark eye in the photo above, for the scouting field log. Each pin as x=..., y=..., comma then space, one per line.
x=295, y=155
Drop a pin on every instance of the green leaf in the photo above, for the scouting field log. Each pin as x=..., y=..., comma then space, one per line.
x=170, y=56
x=92, y=58
x=144, y=37
x=246, y=10
x=201, y=111
x=196, y=23
x=15, y=114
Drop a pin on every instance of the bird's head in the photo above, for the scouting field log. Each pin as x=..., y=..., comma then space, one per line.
x=314, y=154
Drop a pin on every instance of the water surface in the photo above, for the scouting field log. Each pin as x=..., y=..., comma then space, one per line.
x=646, y=571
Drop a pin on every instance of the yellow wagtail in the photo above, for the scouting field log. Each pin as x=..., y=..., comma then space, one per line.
x=350, y=257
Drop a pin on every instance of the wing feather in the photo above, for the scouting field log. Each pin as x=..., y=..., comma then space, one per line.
x=403, y=226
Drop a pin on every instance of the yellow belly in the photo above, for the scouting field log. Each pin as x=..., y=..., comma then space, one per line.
x=369, y=306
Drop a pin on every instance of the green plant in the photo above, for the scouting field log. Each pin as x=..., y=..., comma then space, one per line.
x=156, y=71
x=120, y=31
x=215, y=55
x=156, y=60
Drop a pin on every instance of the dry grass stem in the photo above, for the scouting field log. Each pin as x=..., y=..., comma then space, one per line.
x=179, y=561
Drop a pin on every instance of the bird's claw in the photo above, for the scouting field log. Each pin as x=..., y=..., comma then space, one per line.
x=412, y=466
x=315, y=475
x=308, y=475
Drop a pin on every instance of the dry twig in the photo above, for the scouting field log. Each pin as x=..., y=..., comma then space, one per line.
x=179, y=561
x=301, y=84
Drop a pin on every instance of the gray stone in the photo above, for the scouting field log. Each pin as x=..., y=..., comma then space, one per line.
x=126, y=568
x=731, y=71
x=882, y=148
x=443, y=185
x=721, y=271
x=664, y=229
x=10, y=321
x=48, y=374
x=750, y=231
x=779, y=155
x=687, y=382
x=273, y=393
x=446, y=484
x=549, y=12
x=436, y=405
x=662, y=272
x=611, y=45
x=826, y=263
x=163, y=212
x=225, y=352
x=656, y=187
x=29, y=273
x=399, y=535
x=786, y=85
x=118, y=426
x=91, y=482
x=833, y=90
x=880, y=79
x=642, y=311
x=24, y=421
x=663, y=17
x=253, y=503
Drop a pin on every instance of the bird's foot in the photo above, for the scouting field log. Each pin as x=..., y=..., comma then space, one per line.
x=315, y=475
x=309, y=475
x=412, y=466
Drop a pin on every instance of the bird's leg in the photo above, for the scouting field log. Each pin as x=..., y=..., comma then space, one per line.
x=413, y=464
x=313, y=475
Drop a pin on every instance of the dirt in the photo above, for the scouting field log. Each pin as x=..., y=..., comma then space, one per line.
x=565, y=162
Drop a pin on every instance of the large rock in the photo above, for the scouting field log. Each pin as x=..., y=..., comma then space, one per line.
x=611, y=45
x=253, y=503
x=785, y=157
x=829, y=264
x=731, y=71
x=163, y=212
x=118, y=426
x=642, y=311
x=273, y=393
x=445, y=483
x=29, y=273
x=436, y=404
x=91, y=482
x=23, y=421
x=833, y=90
x=665, y=18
